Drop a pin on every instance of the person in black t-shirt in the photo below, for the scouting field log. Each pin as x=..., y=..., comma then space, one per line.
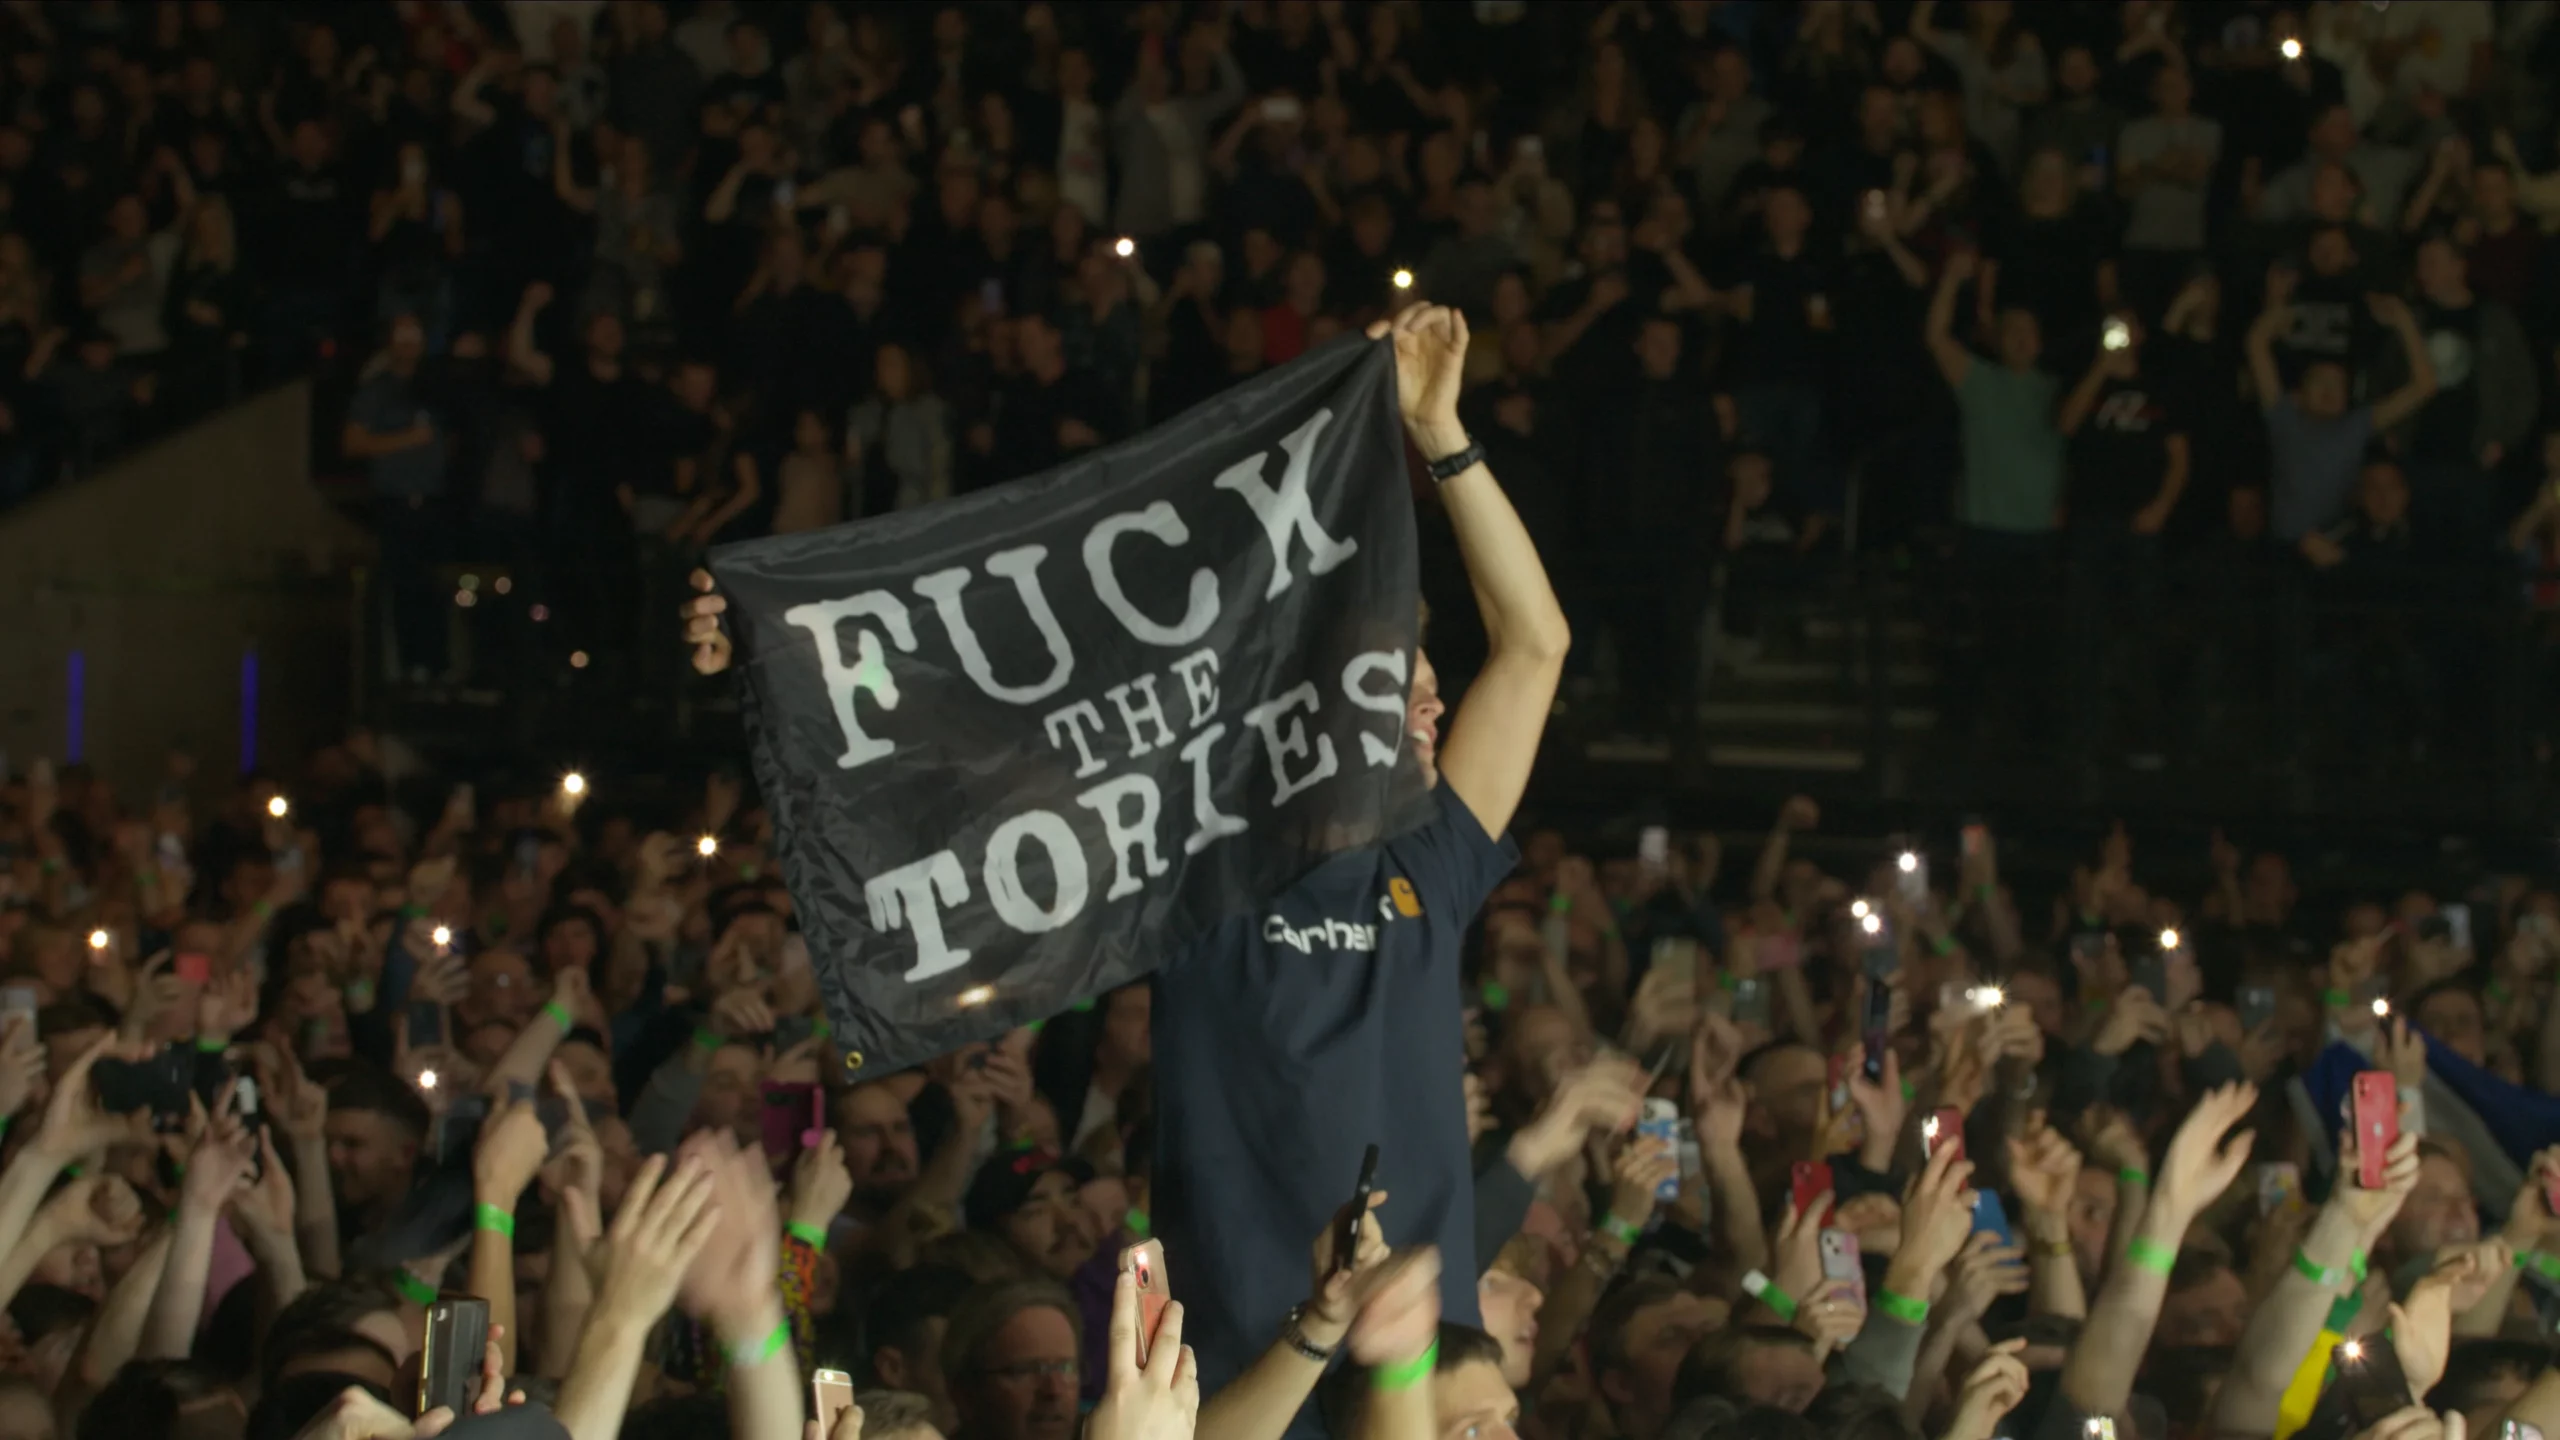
x=2129, y=463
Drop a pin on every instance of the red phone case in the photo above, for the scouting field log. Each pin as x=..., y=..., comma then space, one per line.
x=1950, y=1131
x=1147, y=1263
x=1811, y=1178
x=2377, y=1119
x=194, y=969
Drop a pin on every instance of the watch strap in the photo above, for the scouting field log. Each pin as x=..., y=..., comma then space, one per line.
x=1449, y=467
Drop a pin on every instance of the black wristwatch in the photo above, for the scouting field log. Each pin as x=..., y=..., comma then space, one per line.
x=1296, y=1338
x=1449, y=467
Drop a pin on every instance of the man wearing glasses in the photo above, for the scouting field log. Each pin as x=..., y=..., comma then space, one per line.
x=1010, y=1356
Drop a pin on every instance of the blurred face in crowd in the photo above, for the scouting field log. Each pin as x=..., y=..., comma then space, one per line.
x=2442, y=272
x=1051, y=1229
x=2333, y=135
x=2439, y=1212
x=1780, y=1374
x=1125, y=1039
x=2454, y=1018
x=1787, y=1091
x=879, y=1142
x=371, y=1157
x=2092, y=1214
x=2333, y=199
x=2383, y=494
x=1024, y=1387
x=1658, y=1337
x=571, y=945
x=1510, y=1308
x=2172, y=90
x=2021, y=338
x=1475, y=1402
x=1658, y=347
x=1788, y=217
x=1604, y=238
x=501, y=986
x=2324, y=390
x=731, y=1099
x=2210, y=1311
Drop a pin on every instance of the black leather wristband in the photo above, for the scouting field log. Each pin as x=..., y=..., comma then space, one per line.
x=1449, y=467
x=1296, y=1339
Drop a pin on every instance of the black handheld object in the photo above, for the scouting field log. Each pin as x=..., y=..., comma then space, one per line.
x=1346, y=1246
x=162, y=1085
x=456, y=1342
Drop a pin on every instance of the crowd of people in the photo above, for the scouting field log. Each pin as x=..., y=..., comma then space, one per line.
x=602, y=284
x=287, y=1065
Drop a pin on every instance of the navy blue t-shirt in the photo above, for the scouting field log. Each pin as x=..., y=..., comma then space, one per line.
x=1289, y=1040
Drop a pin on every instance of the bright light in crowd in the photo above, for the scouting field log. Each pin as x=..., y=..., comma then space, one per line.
x=2353, y=1349
x=1929, y=1128
x=1908, y=861
x=577, y=659
x=1858, y=908
x=1871, y=923
x=2168, y=939
x=1990, y=997
x=1403, y=279
x=2292, y=48
x=278, y=807
x=1126, y=248
x=99, y=939
x=464, y=599
x=426, y=1079
x=540, y=613
x=977, y=995
x=2381, y=1006
x=707, y=846
x=504, y=585
x=442, y=935
x=573, y=783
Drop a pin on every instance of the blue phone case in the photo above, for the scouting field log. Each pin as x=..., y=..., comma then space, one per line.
x=1989, y=1214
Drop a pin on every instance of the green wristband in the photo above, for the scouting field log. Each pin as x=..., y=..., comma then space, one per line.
x=708, y=1038
x=1138, y=1222
x=559, y=1014
x=2327, y=1276
x=2149, y=1254
x=1726, y=982
x=2139, y=1179
x=1767, y=1292
x=2342, y=1312
x=413, y=912
x=207, y=1045
x=1497, y=996
x=412, y=1289
x=1902, y=1307
x=1623, y=1231
x=490, y=1217
x=2541, y=1263
x=2336, y=999
x=1942, y=945
x=807, y=1234
x=1559, y=904
x=762, y=1350
x=1394, y=1379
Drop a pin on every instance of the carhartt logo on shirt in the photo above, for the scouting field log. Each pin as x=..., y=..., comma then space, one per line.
x=1322, y=935
x=1400, y=896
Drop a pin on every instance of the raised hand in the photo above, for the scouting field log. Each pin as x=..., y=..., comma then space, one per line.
x=1795, y=1247
x=266, y=1204
x=1431, y=353
x=1399, y=1310
x=1937, y=1215
x=74, y=1123
x=1993, y=1390
x=702, y=632
x=2044, y=1168
x=1334, y=1300
x=21, y=1064
x=2372, y=1211
x=820, y=1183
x=510, y=1153
x=658, y=1236
x=1643, y=1163
x=93, y=1209
x=2201, y=1163
x=1984, y=1272
x=732, y=1280
x=1159, y=1400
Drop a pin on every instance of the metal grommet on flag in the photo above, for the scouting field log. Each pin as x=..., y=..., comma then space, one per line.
x=852, y=1061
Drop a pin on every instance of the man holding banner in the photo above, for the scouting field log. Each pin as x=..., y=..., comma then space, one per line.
x=1260, y=811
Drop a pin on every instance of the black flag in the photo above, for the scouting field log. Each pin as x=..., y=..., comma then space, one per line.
x=1023, y=746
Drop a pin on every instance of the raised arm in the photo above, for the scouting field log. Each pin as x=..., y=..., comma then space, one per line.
x=656, y=1236
x=1259, y=1404
x=1954, y=361
x=2260, y=342
x=2083, y=398
x=1494, y=739
x=2402, y=403
x=2284, y=1326
x=2201, y=1164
